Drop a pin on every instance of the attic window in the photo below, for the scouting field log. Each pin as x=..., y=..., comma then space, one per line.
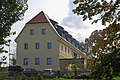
x=73, y=43
x=69, y=40
x=63, y=34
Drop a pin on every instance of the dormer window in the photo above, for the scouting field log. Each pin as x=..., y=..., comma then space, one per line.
x=77, y=45
x=32, y=32
x=69, y=40
x=63, y=34
x=73, y=43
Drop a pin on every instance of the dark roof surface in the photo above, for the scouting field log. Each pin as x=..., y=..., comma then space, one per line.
x=64, y=34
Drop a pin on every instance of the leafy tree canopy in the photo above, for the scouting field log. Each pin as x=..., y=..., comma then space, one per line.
x=104, y=44
x=106, y=51
x=10, y=12
x=102, y=38
x=108, y=10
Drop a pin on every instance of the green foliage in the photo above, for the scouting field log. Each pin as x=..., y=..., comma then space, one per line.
x=104, y=44
x=106, y=50
x=62, y=79
x=38, y=77
x=116, y=78
x=3, y=77
x=100, y=39
x=10, y=12
x=108, y=10
x=3, y=69
x=19, y=77
x=14, y=61
x=107, y=65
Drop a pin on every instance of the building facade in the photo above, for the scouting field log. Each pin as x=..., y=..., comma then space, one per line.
x=42, y=43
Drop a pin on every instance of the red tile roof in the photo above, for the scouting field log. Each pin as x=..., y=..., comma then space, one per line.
x=39, y=18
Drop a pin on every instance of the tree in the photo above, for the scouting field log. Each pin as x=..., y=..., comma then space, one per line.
x=100, y=39
x=106, y=50
x=10, y=12
x=107, y=10
x=14, y=61
x=105, y=43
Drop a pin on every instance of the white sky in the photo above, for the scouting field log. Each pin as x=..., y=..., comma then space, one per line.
x=55, y=9
x=60, y=11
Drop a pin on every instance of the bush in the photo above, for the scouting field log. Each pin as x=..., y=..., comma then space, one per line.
x=116, y=78
x=3, y=77
x=38, y=77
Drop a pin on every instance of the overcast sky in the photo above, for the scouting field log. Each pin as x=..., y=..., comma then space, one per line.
x=60, y=11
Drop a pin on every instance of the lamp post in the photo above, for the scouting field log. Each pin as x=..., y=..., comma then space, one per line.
x=9, y=52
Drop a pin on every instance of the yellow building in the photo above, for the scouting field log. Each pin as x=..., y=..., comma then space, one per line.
x=42, y=43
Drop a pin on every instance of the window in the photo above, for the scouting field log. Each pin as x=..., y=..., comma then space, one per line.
x=25, y=45
x=32, y=32
x=62, y=47
x=37, y=45
x=49, y=61
x=68, y=51
x=25, y=61
x=49, y=45
x=43, y=31
x=77, y=45
x=37, y=61
x=65, y=49
x=63, y=34
x=69, y=40
x=73, y=43
x=75, y=55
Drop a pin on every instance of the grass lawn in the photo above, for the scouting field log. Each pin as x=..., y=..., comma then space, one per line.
x=62, y=79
